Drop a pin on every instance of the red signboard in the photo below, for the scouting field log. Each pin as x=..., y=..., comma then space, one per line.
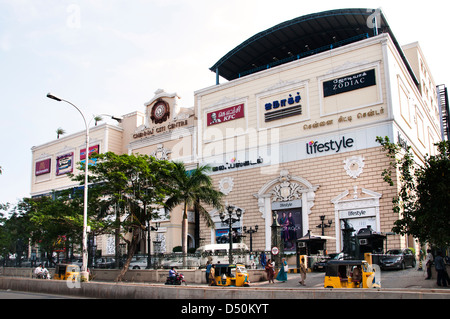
x=225, y=115
x=43, y=167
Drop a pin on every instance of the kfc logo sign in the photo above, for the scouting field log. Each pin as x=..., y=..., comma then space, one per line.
x=226, y=115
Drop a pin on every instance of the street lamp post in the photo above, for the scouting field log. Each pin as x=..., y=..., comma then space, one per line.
x=230, y=221
x=323, y=225
x=150, y=228
x=250, y=231
x=84, y=273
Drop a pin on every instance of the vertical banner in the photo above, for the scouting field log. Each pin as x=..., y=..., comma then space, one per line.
x=64, y=164
x=291, y=227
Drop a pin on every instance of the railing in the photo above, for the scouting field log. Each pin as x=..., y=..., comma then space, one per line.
x=305, y=54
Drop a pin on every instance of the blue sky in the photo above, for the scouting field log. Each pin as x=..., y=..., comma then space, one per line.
x=110, y=56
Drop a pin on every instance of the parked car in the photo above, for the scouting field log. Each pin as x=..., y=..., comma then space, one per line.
x=138, y=263
x=398, y=259
x=107, y=263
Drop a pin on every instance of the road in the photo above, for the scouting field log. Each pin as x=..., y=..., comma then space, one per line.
x=8, y=294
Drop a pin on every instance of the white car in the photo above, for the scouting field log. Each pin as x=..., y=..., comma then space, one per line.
x=138, y=263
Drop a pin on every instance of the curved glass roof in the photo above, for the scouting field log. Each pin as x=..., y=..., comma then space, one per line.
x=301, y=37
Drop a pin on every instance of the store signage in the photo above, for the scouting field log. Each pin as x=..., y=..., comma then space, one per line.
x=349, y=83
x=233, y=164
x=283, y=108
x=225, y=115
x=64, y=164
x=287, y=205
x=43, y=167
x=314, y=147
x=357, y=213
x=160, y=129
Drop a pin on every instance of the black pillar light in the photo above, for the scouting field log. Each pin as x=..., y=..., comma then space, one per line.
x=250, y=231
x=323, y=225
x=150, y=228
x=230, y=221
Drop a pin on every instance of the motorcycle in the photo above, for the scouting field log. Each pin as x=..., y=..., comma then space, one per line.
x=178, y=279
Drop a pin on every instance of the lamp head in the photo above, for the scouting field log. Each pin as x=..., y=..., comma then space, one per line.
x=53, y=97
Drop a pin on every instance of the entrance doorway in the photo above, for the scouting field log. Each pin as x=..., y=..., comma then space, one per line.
x=290, y=221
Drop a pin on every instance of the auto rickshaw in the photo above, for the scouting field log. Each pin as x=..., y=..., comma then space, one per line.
x=66, y=272
x=231, y=275
x=350, y=274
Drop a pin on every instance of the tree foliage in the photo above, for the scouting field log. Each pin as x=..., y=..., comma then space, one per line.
x=193, y=189
x=424, y=192
x=129, y=188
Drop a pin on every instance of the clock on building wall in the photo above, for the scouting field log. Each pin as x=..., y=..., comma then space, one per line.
x=160, y=112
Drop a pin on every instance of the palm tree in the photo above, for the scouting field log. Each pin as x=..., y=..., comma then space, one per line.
x=97, y=119
x=59, y=132
x=192, y=188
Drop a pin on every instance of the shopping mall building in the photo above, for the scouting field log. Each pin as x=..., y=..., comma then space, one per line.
x=290, y=134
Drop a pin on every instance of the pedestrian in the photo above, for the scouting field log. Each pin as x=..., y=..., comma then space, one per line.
x=38, y=271
x=302, y=272
x=262, y=260
x=212, y=273
x=208, y=270
x=429, y=263
x=440, y=269
x=282, y=274
x=270, y=271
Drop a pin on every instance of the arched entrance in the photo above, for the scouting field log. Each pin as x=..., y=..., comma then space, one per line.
x=291, y=198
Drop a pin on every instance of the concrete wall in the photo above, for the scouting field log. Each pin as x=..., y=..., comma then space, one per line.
x=196, y=276
x=140, y=291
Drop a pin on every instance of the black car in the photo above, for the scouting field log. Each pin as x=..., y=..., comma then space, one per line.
x=398, y=259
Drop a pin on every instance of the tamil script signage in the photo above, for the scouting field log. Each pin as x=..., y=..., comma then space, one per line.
x=225, y=115
x=349, y=83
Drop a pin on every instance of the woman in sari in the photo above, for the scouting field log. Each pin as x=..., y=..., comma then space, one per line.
x=282, y=274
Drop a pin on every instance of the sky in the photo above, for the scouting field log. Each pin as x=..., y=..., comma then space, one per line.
x=110, y=56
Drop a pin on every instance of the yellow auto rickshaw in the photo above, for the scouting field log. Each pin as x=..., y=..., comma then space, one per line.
x=67, y=272
x=350, y=274
x=231, y=275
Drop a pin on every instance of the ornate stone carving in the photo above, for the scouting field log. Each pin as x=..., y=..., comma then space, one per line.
x=226, y=185
x=161, y=153
x=286, y=191
x=354, y=166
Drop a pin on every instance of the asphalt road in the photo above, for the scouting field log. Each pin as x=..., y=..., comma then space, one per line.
x=9, y=294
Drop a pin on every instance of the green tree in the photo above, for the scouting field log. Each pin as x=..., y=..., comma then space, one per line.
x=424, y=192
x=131, y=187
x=192, y=189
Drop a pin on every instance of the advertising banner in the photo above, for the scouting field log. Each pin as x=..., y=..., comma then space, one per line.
x=226, y=115
x=43, y=167
x=92, y=150
x=64, y=164
x=349, y=83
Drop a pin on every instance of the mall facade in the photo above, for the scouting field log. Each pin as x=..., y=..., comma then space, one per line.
x=290, y=135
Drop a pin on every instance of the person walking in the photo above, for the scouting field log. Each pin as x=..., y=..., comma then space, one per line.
x=212, y=273
x=440, y=269
x=270, y=271
x=208, y=270
x=302, y=272
x=428, y=263
x=282, y=274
